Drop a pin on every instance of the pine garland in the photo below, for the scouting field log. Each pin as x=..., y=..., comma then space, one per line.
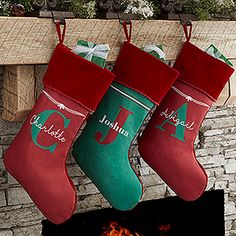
x=203, y=9
x=206, y=9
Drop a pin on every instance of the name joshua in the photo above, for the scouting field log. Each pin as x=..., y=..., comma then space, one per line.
x=114, y=126
x=173, y=116
x=57, y=134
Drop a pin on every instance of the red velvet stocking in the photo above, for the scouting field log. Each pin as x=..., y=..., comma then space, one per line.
x=73, y=87
x=167, y=143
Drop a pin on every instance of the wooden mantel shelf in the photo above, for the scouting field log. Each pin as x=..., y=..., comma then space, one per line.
x=25, y=40
x=30, y=41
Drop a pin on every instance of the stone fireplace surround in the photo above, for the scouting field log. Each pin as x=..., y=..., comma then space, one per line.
x=215, y=148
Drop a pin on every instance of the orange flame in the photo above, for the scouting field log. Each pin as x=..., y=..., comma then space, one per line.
x=114, y=229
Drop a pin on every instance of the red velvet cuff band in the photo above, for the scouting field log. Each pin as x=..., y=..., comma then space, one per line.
x=144, y=73
x=201, y=70
x=77, y=78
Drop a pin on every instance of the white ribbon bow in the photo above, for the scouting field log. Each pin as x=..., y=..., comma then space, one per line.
x=61, y=106
x=100, y=50
x=189, y=98
x=150, y=48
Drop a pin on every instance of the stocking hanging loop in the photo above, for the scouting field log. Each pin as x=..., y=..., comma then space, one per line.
x=186, y=32
x=124, y=23
x=185, y=28
x=127, y=33
x=58, y=23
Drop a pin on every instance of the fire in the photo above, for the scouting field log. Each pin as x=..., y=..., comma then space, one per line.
x=114, y=229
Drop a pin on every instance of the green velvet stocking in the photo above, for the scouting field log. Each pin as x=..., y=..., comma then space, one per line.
x=102, y=149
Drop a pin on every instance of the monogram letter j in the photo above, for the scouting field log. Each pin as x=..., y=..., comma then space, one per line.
x=112, y=133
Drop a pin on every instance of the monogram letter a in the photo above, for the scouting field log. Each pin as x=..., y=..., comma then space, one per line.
x=181, y=113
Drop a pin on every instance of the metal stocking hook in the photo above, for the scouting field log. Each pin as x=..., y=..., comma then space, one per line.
x=56, y=19
x=127, y=20
x=187, y=22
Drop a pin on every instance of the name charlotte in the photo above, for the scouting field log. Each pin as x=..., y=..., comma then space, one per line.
x=55, y=133
x=114, y=126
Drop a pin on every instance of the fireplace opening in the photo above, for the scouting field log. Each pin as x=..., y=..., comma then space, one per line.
x=163, y=217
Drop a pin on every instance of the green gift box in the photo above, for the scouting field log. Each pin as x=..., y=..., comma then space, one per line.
x=96, y=53
x=213, y=51
x=156, y=51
